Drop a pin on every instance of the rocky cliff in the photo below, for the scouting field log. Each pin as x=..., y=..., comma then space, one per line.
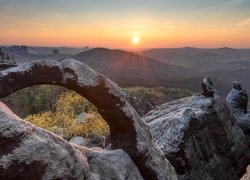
x=200, y=137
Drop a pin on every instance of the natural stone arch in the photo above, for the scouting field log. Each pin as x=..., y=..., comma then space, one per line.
x=128, y=131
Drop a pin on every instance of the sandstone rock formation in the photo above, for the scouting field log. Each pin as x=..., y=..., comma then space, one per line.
x=136, y=104
x=243, y=120
x=78, y=140
x=128, y=131
x=29, y=152
x=200, y=137
x=207, y=87
x=247, y=175
x=237, y=98
x=91, y=141
x=148, y=107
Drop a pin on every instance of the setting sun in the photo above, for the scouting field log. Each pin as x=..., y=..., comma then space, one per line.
x=136, y=40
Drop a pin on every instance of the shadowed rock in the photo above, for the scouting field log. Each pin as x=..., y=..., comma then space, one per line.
x=29, y=152
x=247, y=175
x=128, y=131
x=207, y=87
x=237, y=98
x=148, y=107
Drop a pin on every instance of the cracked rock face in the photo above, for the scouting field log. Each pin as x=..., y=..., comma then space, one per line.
x=128, y=131
x=200, y=137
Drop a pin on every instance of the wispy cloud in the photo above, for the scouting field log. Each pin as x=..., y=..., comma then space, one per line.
x=218, y=7
x=244, y=23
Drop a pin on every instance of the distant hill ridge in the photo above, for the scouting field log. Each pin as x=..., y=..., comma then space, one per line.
x=128, y=68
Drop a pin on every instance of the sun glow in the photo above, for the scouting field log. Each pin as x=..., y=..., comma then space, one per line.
x=136, y=40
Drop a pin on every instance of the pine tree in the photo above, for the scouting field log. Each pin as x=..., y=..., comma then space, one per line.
x=7, y=57
x=3, y=56
x=13, y=59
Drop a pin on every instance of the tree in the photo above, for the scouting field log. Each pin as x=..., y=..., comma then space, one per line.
x=13, y=59
x=2, y=56
x=55, y=51
x=7, y=57
x=62, y=120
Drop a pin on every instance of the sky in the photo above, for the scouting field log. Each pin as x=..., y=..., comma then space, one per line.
x=114, y=23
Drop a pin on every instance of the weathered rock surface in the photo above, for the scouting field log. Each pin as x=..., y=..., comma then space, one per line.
x=78, y=140
x=237, y=98
x=135, y=103
x=29, y=152
x=207, y=87
x=148, y=107
x=128, y=131
x=243, y=120
x=247, y=175
x=91, y=141
x=200, y=137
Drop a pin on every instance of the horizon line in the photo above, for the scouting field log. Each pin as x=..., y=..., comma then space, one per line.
x=131, y=48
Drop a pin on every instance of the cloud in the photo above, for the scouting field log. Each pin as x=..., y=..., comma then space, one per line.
x=219, y=7
x=244, y=23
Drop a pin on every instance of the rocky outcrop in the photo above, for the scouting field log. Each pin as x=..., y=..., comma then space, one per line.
x=207, y=87
x=29, y=152
x=247, y=175
x=237, y=98
x=243, y=120
x=200, y=137
x=128, y=131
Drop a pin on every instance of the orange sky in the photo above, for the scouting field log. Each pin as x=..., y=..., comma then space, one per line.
x=49, y=23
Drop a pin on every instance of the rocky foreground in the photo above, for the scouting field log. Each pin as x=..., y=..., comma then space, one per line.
x=199, y=135
x=28, y=152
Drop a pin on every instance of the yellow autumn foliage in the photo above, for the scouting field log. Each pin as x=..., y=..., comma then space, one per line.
x=63, y=120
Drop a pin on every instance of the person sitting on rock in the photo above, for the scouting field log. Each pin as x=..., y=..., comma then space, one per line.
x=237, y=98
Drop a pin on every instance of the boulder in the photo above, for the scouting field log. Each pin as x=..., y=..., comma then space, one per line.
x=237, y=98
x=207, y=87
x=78, y=140
x=200, y=137
x=29, y=152
x=128, y=131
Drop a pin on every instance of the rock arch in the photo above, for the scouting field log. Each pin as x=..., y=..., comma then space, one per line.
x=128, y=131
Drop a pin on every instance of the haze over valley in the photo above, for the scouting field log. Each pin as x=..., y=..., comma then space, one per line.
x=170, y=67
